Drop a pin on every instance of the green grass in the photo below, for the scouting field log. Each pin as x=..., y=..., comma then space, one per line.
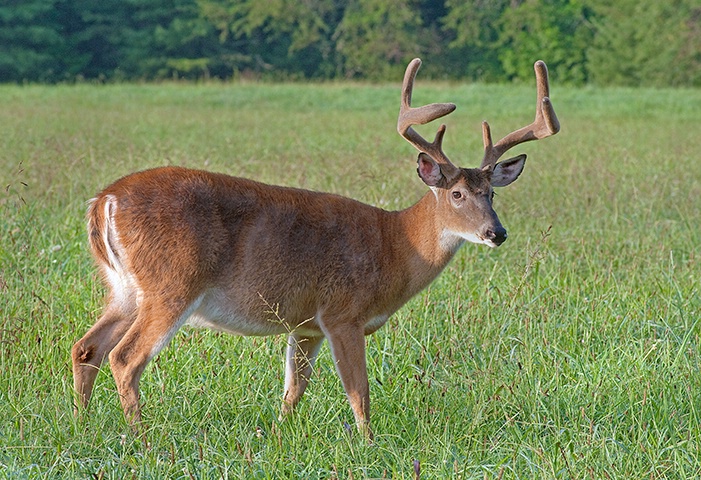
x=570, y=352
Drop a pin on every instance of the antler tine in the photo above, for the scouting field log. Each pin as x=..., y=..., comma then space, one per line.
x=409, y=116
x=544, y=125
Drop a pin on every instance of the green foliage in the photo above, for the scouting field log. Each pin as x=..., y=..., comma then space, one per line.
x=629, y=42
x=31, y=40
x=281, y=35
x=377, y=38
x=555, y=30
x=473, y=26
x=647, y=42
x=101, y=37
x=169, y=39
x=572, y=351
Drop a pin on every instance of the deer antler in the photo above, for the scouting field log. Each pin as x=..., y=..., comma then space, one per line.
x=409, y=116
x=544, y=125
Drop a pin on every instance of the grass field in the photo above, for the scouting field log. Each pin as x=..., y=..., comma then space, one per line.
x=572, y=351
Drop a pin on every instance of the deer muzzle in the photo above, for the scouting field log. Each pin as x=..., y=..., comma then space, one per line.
x=495, y=236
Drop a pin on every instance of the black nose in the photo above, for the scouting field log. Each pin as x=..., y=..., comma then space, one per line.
x=497, y=236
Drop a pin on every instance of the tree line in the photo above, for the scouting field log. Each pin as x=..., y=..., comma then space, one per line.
x=626, y=42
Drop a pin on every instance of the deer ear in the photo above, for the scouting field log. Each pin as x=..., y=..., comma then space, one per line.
x=507, y=171
x=429, y=171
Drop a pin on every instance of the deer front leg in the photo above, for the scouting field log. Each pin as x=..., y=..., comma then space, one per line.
x=347, y=343
x=301, y=353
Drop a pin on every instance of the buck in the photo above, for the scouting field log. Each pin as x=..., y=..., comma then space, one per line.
x=177, y=246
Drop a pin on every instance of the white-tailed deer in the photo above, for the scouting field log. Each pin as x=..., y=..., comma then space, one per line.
x=178, y=246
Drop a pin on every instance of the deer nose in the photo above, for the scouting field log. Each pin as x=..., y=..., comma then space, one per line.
x=497, y=236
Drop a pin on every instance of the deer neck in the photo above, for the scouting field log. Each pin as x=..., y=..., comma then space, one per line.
x=426, y=245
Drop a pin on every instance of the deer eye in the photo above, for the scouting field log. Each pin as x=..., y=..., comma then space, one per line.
x=457, y=194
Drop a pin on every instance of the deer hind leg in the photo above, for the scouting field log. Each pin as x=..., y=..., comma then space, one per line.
x=156, y=323
x=301, y=353
x=90, y=352
x=347, y=342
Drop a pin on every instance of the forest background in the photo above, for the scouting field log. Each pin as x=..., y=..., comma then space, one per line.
x=627, y=42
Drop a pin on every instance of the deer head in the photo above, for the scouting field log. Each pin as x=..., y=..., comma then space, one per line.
x=465, y=195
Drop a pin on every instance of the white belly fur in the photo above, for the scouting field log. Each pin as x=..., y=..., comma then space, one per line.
x=217, y=313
